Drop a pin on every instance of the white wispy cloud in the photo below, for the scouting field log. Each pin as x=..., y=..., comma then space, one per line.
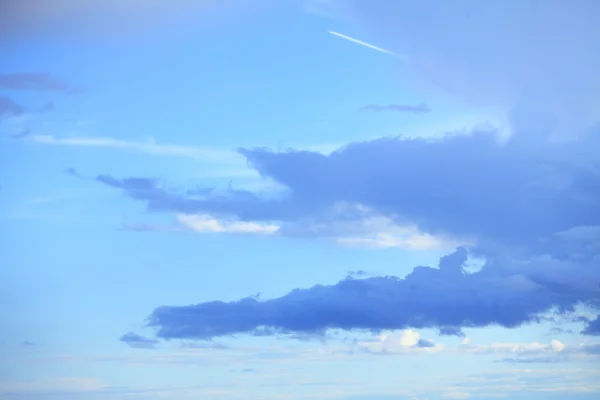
x=370, y=46
x=209, y=224
x=148, y=146
x=410, y=239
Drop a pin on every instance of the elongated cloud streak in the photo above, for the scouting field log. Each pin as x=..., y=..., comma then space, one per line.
x=149, y=146
x=365, y=44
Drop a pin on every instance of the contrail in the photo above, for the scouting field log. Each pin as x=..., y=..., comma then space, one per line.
x=365, y=44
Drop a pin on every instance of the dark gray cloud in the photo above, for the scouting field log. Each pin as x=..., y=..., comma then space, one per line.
x=137, y=341
x=426, y=298
x=35, y=81
x=407, y=108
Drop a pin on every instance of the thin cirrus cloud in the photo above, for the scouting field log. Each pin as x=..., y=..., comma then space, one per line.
x=232, y=162
x=206, y=223
x=365, y=44
x=402, y=108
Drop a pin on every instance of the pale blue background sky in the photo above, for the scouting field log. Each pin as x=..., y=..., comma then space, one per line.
x=76, y=276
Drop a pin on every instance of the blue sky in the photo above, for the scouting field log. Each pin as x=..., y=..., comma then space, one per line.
x=302, y=199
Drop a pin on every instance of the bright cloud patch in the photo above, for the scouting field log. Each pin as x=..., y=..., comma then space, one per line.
x=403, y=342
x=206, y=223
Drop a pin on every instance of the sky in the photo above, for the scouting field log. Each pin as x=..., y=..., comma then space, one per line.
x=299, y=199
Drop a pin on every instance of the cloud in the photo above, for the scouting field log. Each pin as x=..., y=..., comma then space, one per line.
x=207, y=210
x=527, y=203
x=534, y=348
x=525, y=383
x=532, y=360
x=34, y=81
x=203, y=345
x=9, y=107
x=536, y=353
x=21, y=134
x=230, y=162
x=139, y=342
x=469, y=187
x=64, y=385
x=403, y=342
x=72, y=172
x=426, y=298
x=456, y=185
x=533, y=62
x=451, y=331
x=593, y=327
x=416, y=241
x=418, y=109
x=365, y=44
x=206, y=223
x=523, y=205
x=136, y=227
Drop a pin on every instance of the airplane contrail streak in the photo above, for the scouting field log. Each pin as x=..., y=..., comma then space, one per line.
x=365, y=44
